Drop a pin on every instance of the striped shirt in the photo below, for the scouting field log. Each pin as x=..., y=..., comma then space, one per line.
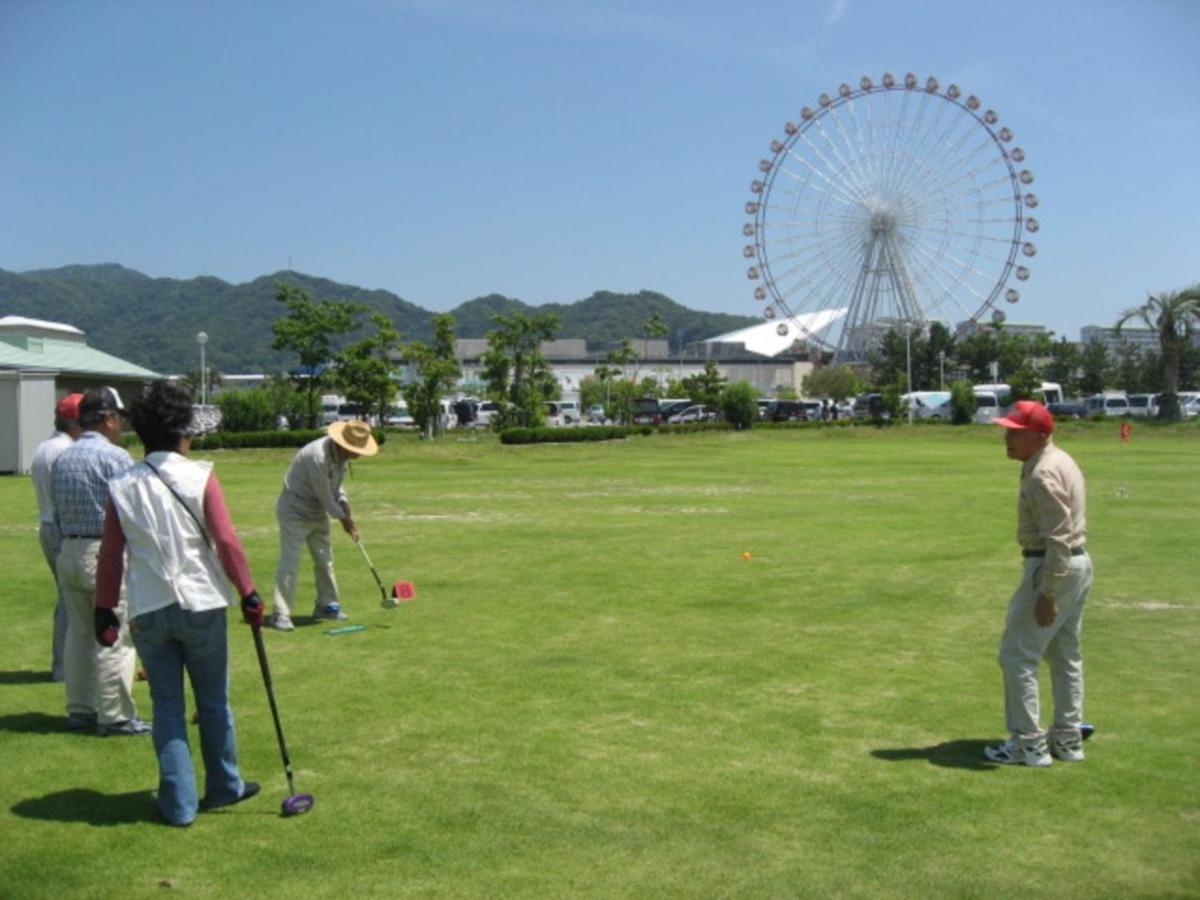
x=79, y=484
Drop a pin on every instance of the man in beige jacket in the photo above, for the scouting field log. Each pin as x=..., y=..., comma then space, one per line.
x=312, y=495
x=1045, y=615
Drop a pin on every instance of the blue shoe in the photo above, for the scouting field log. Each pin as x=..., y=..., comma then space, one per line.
x=331, y=611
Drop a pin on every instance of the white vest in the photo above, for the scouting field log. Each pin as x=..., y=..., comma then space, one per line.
x=168, y=560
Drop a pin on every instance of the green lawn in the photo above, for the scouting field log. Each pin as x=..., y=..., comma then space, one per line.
x=594, y=694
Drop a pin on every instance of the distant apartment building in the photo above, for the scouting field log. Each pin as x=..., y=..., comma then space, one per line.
x=1024, y=329
x=1142, y=338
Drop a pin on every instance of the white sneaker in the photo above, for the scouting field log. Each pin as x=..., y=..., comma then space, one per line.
x=279, y=623
x=1067, y=746
x=1017, y=752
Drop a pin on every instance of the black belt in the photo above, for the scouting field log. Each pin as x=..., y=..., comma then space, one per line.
x=82, y=537
x=1038, y=554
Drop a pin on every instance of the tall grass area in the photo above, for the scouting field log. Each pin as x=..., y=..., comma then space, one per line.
x=595, y=694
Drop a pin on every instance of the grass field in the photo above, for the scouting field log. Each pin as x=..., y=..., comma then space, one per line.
x=594, y=694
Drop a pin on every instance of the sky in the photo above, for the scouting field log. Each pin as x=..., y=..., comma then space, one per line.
x=548, y=149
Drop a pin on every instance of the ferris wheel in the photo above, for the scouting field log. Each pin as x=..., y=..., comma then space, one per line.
x=893, y=204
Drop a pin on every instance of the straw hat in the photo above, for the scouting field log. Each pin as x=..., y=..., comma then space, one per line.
x=354, y=436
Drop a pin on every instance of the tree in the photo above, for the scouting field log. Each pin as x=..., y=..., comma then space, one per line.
x=364, y=371
x=1095, y=364
x=1174, y=317
x=618, y=404
x=259, y=408
x=929, y=354
x=836, y=382
x=962, y=402
x=1065, y=360
x=437, y=370
x=889, y=359
x=1129, y=368
x=739, y=404
x=190, y=382
x=517, y=373
x=705, y=387
x=654, y=327
x=309, y=330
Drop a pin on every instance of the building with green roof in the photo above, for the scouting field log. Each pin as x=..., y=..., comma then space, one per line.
x=40, y=362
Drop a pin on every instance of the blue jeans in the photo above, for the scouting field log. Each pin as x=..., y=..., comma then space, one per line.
x=168, y=641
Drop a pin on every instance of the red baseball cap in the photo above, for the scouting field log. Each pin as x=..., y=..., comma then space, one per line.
x=1028, y=415
x=68, y=406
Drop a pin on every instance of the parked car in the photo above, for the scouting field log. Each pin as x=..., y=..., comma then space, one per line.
x=595, y=413
x=399, y=417
x=990, y=404
x=1143, y=405
x=1189, y=408
x=1110, y=403
x=570, y=411
x=554, y=415
x=329, y=407
x=352, y=412
x=697, y=412
x=869, y=405
x=786, y=411
x=655, y=411
x=1070, y=410
x=929, y=404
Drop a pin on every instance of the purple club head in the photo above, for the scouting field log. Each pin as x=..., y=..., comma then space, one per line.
x=297, y=804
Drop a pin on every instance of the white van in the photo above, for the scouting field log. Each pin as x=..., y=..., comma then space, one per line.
x=928, y=404
x=330, y=404
x=1110, y=403
x=991, y=401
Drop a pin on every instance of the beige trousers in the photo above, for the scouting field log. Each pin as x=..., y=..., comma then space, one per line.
x=51, y=542
x=294, y=535
x=1024, y=644
x=99, y=680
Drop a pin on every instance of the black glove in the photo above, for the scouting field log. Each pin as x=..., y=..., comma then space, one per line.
x=252, y=610
x=108, y=626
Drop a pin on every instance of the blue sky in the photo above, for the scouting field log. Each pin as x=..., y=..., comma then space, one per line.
x=546, y=150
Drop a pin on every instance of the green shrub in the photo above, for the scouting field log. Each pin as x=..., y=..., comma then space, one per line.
x=232, y=440
x=962, y=402
x=739, y=404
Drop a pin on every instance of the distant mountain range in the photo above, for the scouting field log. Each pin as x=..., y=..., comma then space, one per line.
x=153, y=321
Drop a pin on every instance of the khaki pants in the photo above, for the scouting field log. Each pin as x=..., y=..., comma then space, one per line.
x=51, y=542
x=99, y=680
x=1025, y=644
x=294, y=535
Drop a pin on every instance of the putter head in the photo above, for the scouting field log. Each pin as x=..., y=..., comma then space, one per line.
x=297, y=804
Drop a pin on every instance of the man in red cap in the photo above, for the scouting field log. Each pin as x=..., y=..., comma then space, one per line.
x=66, y=429
x=1045, y=615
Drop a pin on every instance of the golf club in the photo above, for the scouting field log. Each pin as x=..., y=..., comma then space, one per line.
x=295, y=804
x=384, y=600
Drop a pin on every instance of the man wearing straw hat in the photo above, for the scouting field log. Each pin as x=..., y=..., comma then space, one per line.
x=312, y=495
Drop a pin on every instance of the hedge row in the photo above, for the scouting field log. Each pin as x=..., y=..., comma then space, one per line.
x=572, y=435
x=235, y=440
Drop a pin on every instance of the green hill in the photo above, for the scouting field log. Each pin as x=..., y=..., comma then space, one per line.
x=154, y=321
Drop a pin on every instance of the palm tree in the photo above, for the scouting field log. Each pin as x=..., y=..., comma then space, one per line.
x=1174, y=316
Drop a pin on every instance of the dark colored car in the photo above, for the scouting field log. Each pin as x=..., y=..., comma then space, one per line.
x=1068, y=410
x=786, y=411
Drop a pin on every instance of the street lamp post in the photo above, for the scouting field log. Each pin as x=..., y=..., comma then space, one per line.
x=202, y=339
x=908, y=367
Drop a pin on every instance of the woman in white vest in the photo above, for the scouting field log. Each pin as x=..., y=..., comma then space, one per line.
x=183, y=552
